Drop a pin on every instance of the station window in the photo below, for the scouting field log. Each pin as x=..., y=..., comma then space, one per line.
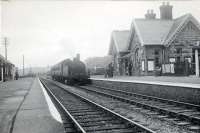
x=179, y=51
x=137, y=55
x=156, y=52
x=157, y=62
x=178, y=59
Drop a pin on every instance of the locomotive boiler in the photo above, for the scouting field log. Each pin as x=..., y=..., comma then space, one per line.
x=70, y=72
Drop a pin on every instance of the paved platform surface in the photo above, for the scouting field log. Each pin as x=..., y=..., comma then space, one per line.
x=12, y=94
x=34, y=115
x=189, y=81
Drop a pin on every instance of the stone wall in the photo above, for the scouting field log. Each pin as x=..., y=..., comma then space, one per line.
x=183, y=94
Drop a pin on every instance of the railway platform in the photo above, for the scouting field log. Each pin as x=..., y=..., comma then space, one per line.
x=12, y=94
x=185, y=81
x=24, y=108
x=183, y=89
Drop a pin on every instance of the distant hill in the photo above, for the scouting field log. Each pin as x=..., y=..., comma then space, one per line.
x=33, y=70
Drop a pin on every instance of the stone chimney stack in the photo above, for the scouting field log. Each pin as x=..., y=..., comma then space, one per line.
x=166, y=11
x=78, y=57
x=150, y=14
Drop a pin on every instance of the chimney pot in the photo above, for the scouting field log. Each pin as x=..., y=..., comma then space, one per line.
x=166, y=11
x=150, y=14
x=78, y=57
x=168, y=3
x=163, y=3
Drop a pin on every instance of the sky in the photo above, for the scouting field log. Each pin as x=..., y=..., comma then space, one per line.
x=48, y=31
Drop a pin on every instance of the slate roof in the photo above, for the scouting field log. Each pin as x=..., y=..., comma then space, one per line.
x=158, y=31
x=120, y=38
x=150, y=32
x=153, y=32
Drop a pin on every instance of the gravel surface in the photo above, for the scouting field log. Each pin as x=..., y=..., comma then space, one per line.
x=134, y=113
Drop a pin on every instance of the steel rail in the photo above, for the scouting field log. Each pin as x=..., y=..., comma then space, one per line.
x=147, y=106
x=114, y=113
x=152, y=97
x=77, y=125
x=105, y=109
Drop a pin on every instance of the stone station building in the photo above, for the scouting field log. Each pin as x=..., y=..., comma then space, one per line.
x=163, y=46
x=7, y=69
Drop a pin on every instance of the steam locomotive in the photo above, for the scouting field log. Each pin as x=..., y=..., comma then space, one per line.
x=70, y=72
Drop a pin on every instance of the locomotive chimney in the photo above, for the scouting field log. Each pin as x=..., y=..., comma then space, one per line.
x=166, y=11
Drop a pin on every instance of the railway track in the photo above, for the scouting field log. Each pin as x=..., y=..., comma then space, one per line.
x=83, y=115
x=181, y=114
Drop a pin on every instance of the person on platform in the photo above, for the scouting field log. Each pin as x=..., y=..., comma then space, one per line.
x=130, y=69
x=16, y=75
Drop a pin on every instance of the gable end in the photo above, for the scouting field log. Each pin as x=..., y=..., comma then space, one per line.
x=188, y=36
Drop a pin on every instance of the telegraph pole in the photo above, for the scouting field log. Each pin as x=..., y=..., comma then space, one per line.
x=4, y=69
x=5, y=43
x=23, y=65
